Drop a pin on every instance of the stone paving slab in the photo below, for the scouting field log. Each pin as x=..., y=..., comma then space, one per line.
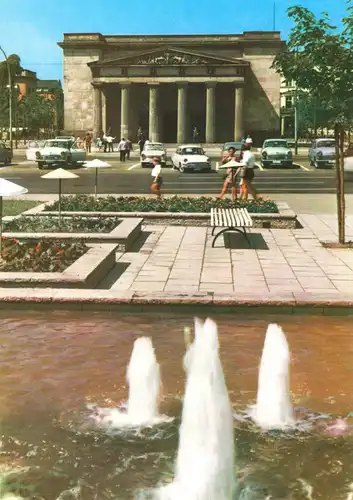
x=288, y=261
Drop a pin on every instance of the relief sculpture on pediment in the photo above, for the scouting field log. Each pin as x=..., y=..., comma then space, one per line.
x=168, y=58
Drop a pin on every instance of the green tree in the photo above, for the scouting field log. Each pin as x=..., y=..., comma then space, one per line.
x=14, y=63
x=319, y=58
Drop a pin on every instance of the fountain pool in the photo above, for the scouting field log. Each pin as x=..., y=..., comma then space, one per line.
x=54, y=364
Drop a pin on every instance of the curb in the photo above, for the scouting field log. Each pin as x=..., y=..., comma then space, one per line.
x=292, y=303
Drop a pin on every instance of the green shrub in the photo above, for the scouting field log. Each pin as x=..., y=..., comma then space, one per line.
x=84, y=203
x=49, y=224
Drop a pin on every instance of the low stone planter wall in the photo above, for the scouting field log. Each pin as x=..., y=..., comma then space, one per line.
x=122, y=235
x=284, y=219
x=87, y=272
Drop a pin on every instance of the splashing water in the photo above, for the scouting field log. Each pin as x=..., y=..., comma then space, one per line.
x=204, y=466
x=273, y=409
x=143, y=377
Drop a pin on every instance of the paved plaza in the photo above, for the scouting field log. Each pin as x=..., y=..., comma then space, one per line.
x=181, y=260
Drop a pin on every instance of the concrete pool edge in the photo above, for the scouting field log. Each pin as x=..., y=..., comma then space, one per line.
x=290, y=303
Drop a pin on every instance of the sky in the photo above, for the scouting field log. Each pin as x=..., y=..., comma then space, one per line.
x=32, y=28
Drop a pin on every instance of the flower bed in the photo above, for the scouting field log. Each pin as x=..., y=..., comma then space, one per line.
x=52, y=224
x=83, y=203
x=43, y=256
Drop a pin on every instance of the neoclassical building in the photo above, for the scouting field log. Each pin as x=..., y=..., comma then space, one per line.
x=221, y=84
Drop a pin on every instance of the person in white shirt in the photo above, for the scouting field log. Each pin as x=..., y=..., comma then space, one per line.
x=247, y=173
x=249, y=140
x=122, y=148
x=109, y=139
x=157, y=180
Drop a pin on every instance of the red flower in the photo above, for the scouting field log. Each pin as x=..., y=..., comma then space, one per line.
x=38, y=247
x=3, y=238
x=59, y=252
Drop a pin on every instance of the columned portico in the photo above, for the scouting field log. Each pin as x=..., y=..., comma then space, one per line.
x=239, y=113
x=154, y=132
x=210, y=111
x=181, y=115
x=125, y=110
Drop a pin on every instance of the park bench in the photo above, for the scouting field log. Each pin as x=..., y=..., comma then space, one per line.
x=231, y=219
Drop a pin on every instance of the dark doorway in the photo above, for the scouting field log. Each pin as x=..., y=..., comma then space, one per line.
x=196, y=106
x=140, y=103
x=168, y=112
x=225, y=105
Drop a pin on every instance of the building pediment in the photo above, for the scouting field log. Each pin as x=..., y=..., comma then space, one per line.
x=169, y=56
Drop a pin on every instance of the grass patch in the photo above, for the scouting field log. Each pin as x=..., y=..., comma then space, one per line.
x=176, y=204
x=16, y=207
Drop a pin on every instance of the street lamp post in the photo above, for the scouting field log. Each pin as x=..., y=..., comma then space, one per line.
x=10, y=95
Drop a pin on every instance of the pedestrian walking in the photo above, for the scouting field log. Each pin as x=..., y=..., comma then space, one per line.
x=195, y=134
x=157, y=179
x=122, y=148
x=141, y=142
x=231, y=178
x=109, y=140
x=88, y=142
x=249, y=140
x=247, y=173
x=128, y=148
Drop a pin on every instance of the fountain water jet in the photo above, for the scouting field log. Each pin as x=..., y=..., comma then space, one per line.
x=143, y=378
x=204, y=466
x=273, y=409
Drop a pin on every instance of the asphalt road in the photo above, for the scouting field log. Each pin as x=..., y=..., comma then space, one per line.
x=130, y=178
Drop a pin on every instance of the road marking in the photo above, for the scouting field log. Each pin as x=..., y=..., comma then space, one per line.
x=302, y=166
x=134, y=166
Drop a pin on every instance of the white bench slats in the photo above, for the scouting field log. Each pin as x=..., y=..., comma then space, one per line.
x=247, y=217
x=230, y=217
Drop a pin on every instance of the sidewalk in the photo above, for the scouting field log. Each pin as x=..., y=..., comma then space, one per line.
x=181, y=260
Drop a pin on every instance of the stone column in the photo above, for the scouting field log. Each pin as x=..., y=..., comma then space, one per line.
x=104, y=110
x=239, y=114
x=182, y=103
x=283, y=126
x=154, y=112
x=97, y=111
x=210, y=112
x=125, y=110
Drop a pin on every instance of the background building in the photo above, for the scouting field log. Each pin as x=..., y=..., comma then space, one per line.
x=222, y=84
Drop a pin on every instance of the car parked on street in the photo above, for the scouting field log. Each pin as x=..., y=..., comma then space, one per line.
x=32, y=148
x=153, y=150
x=276, y=152
x=232, y=144
x=60, y=153
x=322, y=153
x=191, y=157
x=5, y=154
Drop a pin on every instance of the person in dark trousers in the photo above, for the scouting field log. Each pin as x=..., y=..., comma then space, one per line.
x=141, y=142
x=122, y=148
x=195, y=134
x=128, y=148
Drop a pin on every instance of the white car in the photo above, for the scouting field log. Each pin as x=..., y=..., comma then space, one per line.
x=59, y=153
x=191, y=157
x=152, y=150
x=33, y=147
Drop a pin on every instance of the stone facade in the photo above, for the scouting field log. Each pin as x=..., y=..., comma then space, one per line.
x=222, y=84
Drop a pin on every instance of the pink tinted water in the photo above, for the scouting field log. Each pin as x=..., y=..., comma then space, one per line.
x=52, y=364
